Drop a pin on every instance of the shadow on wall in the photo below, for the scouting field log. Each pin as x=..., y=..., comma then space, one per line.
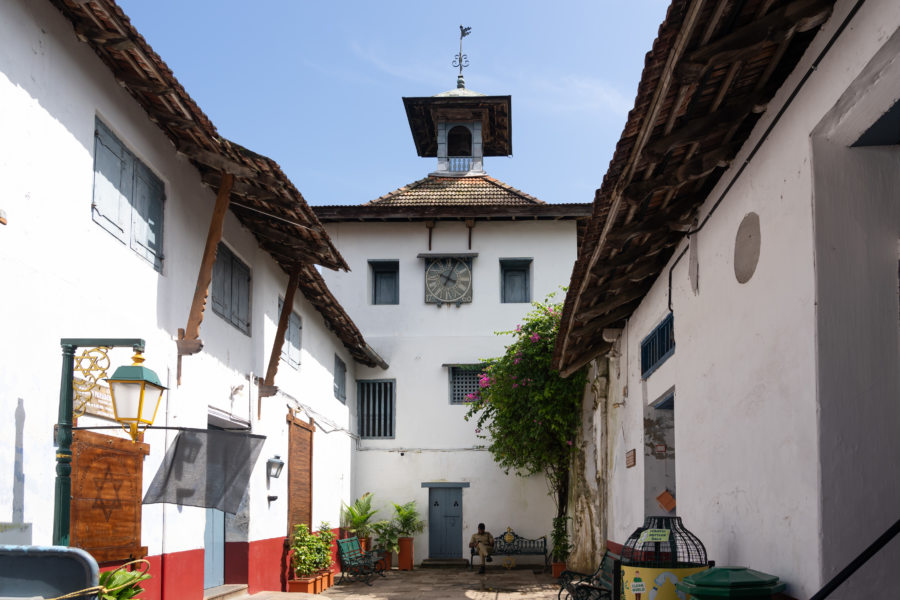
x=18, y=532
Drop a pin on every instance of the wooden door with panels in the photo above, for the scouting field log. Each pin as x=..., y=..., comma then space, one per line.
x=299, y=467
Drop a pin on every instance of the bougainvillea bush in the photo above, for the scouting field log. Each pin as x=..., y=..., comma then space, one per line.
x=524, y=410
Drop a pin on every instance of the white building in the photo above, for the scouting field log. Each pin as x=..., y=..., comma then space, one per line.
x=436, y=267
x=110, y=174
x=744, y=292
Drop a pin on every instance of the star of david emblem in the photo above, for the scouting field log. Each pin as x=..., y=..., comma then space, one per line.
x=107, y=506
x=92, y=365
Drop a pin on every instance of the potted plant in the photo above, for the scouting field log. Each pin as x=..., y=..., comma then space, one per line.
x=305, y=555
x=561, y=546
x=325, y=556
x=358, y=517
x=386, y=541
x=409, y=523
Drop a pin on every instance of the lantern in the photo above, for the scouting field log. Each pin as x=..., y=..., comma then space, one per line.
x=136, y=392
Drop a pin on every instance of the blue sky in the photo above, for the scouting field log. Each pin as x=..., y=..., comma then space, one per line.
x=318, y=86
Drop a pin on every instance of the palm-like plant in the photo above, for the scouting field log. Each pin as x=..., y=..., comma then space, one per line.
x=358, y=516
x=408, y=520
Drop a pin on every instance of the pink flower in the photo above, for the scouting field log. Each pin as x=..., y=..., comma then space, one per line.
x=477, y=430
x=569, y=442
x=517, y=361
x=485, y=381
x=534, y=337
x=518, y=329
x=515, y=385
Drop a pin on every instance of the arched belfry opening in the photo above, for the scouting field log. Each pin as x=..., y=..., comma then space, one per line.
x=459, y=141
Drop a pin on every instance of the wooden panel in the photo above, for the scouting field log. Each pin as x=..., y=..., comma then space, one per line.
x=299, y=464
x=107, y=475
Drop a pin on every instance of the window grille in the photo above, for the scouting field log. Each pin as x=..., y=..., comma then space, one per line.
x=658, y=346
x=340, y=379
x=375, y=402
x=463, y=381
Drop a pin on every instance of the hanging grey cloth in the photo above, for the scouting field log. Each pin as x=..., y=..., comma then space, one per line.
x=208, y=468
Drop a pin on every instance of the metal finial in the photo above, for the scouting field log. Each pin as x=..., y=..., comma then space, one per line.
x=461, y=60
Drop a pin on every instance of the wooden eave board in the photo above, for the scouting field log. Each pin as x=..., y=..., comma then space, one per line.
x=333, y=214
x=643, y=225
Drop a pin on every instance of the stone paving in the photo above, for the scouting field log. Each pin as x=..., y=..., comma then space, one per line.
x=440, y=584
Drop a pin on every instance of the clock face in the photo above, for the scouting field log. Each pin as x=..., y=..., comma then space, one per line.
x=448, y=280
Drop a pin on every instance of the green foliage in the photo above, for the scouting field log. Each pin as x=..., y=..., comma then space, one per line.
x=560, y=538
x=388, y=536
x=305, y=551
x=524, y=409
x=326, y=539
x=357, y=517
x=407, y=519
x=122, y=584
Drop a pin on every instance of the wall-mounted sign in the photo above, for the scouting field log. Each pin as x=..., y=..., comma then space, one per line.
x=660, y=449
x=630, y=458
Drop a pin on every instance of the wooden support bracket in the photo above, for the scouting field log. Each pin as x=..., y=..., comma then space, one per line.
x=268, y=388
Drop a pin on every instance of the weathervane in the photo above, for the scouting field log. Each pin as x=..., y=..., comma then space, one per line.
x=461, y=60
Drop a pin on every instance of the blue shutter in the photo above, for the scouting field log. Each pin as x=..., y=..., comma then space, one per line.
x=221, y=282
x=147, y=216
x=340, y=379
x=240, y=295
x=113, y=166
x=294, y=328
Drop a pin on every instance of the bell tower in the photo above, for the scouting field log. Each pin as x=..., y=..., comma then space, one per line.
x=460, y=127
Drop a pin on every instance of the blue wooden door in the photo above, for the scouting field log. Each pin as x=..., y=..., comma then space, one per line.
x=214, y=549
x=444, y=522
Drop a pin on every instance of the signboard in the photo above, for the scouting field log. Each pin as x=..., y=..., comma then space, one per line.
x=96, y=400
x=654, y=535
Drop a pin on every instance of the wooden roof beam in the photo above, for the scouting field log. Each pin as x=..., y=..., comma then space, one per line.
x=579, y=360
x=694, y=129
x=800, y=15
x=610, y=304
x=696, y=168
x=216, y=161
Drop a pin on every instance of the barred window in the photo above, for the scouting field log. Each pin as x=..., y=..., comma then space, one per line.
x=375, y=405
x=658, y=346
x=463, y=381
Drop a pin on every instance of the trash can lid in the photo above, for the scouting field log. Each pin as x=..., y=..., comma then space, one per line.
x=731, y=582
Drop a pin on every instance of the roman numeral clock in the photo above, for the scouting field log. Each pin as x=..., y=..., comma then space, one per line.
x=448, y=278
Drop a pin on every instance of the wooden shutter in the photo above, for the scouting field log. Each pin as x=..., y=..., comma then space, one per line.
x=113, y=166
x=147, y=219
x=240, y=295
x=295, y=328
x=107, y=476
x=299, y=464
x=221, y=282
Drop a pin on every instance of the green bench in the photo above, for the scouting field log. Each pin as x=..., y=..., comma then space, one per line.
x=603, y=584
x=356, y=563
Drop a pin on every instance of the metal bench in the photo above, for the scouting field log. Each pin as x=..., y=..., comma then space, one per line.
x=512, y=544
x=603, y=584
x=357, y=564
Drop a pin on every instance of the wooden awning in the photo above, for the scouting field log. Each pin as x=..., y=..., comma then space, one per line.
x=712, y=70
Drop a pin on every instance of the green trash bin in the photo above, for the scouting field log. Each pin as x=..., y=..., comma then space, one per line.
x=730, y=582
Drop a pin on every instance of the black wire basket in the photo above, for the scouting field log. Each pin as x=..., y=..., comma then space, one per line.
x=664, y=543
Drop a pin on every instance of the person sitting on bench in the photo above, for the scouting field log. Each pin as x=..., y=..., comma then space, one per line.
x=483, y=542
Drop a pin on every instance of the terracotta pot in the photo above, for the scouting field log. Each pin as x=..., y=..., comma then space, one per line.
x=365, y=543
x=323, y=576
x=387, y=560
x=330, y=575
x=405, y=554
x=557, y=568
x=306, y=585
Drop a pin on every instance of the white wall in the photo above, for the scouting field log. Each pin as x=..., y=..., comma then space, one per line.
x=416, y=339
x=65, y=276
x=773, y=458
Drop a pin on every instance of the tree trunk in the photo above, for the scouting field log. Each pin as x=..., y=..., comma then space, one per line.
x=588, y=474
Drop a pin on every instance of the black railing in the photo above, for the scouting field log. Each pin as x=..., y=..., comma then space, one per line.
x=859, y=561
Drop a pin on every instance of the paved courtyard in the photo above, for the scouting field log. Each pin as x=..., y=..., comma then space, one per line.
x=440, y=584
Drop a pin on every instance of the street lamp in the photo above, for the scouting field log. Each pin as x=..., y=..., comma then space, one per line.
x=273, y=467
x=135, y=392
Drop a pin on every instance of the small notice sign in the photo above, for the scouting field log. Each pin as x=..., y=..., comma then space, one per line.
x=654, y=535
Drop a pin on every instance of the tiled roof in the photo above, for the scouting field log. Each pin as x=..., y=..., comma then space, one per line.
x=456, y=191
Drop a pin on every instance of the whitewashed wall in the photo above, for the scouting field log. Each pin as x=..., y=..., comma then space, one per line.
x=65, y=276
x=416, y=339
x=786, y=386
